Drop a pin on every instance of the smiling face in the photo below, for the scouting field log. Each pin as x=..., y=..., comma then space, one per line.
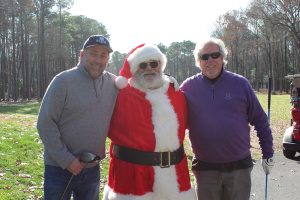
x=211, y=67
x=149, y=74
x=95, y=59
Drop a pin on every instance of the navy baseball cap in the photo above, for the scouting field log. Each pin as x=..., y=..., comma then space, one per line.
x=97, y=39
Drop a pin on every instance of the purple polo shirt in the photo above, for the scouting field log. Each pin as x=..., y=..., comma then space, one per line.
x=220, y=115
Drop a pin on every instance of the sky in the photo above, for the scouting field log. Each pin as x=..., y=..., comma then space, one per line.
x=133, y=22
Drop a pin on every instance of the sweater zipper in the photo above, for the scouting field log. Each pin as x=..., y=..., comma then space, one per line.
x=95, y=88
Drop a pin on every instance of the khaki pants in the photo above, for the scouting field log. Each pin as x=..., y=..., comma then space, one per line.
x=219, y=185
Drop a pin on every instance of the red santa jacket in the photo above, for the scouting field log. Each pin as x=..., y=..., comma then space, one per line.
x=152, y=121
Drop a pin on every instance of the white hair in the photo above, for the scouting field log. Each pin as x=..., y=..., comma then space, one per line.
x=200, y=45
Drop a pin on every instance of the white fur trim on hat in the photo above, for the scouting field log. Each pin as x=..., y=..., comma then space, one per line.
x=121, y=82
x=146, y=53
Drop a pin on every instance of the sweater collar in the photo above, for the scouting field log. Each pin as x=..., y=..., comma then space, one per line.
x=213, y=81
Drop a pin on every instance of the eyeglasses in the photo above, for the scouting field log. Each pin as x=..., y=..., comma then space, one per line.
x=153, y=64
x=213, y=55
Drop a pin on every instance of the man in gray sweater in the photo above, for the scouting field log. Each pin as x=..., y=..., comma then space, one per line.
x=73, y=122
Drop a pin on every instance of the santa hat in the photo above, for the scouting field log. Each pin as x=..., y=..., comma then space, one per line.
x=137, y=55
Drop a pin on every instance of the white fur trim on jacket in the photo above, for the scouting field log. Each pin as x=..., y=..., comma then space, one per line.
x=109, y=194
x=164, y=119
x=165, y=124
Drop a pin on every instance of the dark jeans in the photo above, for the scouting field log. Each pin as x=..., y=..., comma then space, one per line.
x=83, y=186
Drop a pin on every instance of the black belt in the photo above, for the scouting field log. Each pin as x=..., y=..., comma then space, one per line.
x=162, y=159
x=198, y=165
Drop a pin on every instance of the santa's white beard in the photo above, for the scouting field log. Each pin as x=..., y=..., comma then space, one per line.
x=154, y=83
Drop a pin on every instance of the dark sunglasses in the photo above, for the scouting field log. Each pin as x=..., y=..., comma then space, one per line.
x=153, y=64
x=213, y=55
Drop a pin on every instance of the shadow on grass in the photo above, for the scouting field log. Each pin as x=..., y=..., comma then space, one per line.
x=31, y=108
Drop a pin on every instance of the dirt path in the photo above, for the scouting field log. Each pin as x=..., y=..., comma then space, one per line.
x=283, y=182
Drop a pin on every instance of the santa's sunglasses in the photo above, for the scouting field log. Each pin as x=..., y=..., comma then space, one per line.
x=153, y=64
x=213, y=55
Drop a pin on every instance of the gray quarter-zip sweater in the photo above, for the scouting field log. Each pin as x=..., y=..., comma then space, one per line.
x=75, y=114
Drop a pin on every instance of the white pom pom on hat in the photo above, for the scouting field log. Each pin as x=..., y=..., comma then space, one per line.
x=121, y=82
x=137, y=55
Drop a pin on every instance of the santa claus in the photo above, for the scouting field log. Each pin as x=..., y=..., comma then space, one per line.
x=147, y=132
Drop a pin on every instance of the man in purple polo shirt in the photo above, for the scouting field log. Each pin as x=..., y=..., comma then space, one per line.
x=221, y=106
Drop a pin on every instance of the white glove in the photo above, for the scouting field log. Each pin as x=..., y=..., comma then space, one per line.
x=174, y=81
x=267, y=165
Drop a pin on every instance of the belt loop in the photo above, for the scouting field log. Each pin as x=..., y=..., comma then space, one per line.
x=162, y=164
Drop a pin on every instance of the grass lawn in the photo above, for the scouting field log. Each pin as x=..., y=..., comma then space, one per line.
x=21, y=150
x=280, y=119
x=21, y=163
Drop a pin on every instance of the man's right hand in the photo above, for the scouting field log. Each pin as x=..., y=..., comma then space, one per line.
x=75, y=167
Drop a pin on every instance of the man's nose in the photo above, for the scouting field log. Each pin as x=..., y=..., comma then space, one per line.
x=98, y=60
x=149, y=67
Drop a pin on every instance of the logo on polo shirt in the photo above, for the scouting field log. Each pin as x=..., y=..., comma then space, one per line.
x=227, y=96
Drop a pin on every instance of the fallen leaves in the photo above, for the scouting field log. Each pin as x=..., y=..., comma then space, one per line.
x=24, y=175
